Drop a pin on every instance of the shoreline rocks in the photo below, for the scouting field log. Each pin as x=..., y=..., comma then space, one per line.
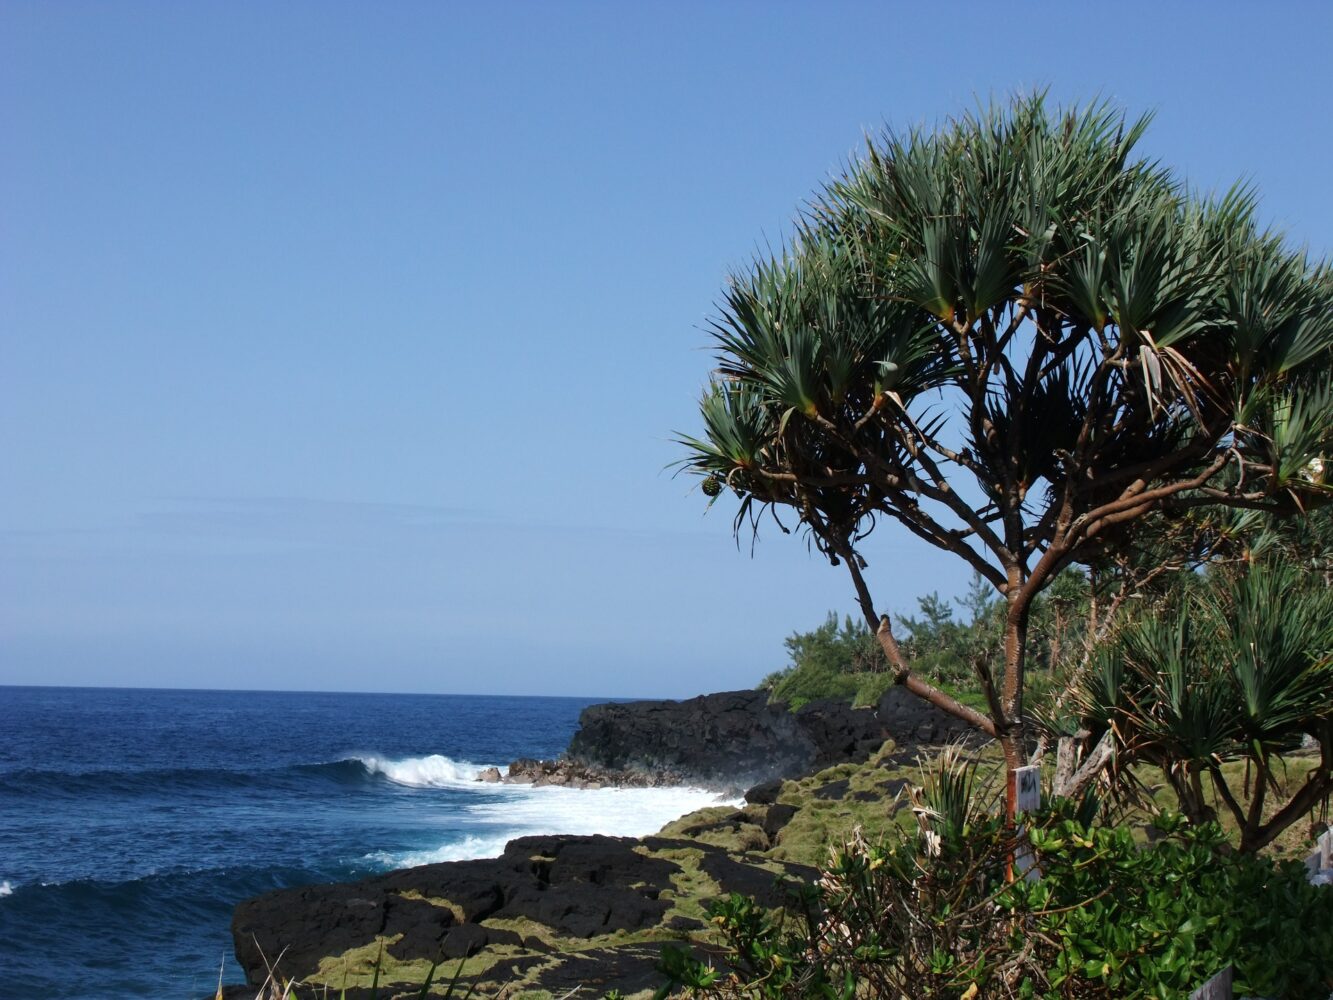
x=567, y=773
x=556, y=912
x=728, y=741
x=549, y=908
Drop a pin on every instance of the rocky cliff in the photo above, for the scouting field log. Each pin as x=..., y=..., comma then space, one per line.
x=557, y=912
x=736, y=739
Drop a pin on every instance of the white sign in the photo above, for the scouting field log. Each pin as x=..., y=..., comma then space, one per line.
x=1027, y=798
x=1217, y=988
x=1319, y=863
x=1027, y=789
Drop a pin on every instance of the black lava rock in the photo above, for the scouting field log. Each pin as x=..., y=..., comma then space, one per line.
x=833, y=790
x=779, y=815
x=739, y=738
x=735, y=738
x=910, y=720
x=764, y=793
x=577, y=886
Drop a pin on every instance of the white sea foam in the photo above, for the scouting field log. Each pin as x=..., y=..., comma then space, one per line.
x=468, y=848
x=621, y=812
x=6, y=889
x=509, y=811
x=434, y=771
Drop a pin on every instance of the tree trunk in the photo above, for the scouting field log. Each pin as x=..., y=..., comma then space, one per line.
x=1072, y=777
x=1187, y=783
x=1015, y=756
x=1010, y=729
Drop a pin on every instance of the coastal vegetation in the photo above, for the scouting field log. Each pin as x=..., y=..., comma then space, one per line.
x=1111, y=398
x=1029, y=346
x=1237, y=668
x=1218, y=677
x=842, y=659
x=931, y=915
x=734, y=880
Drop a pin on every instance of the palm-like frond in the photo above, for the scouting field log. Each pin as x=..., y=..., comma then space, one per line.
x=1174, y=704
x=736, y=431
x=811, y=329
x=1276, y=635
x=1247, y=663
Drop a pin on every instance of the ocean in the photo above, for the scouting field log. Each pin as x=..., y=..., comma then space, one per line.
x=132, y=821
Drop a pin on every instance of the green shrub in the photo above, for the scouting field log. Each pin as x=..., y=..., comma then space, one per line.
x=842, y=658
x=935, y=918
x=829, y=662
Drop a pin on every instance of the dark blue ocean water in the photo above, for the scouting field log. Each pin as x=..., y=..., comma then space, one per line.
x=131, y=821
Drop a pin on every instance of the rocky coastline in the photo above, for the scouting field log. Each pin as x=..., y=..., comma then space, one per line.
x=554, y=912
x=566, y=773
x=727, y=742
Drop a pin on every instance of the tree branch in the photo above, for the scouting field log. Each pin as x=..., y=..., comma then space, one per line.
x=925, y=527
x=941, y=492
x=1101, y=755
x=902, y=672
x=1136, y=501
x=1318, y=786
x=1224, y=792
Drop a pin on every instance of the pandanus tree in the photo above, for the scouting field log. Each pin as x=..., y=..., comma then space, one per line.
x=1018, y=341
x=1236, y=669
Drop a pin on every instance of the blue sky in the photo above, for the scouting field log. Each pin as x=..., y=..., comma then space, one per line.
x=341, y=345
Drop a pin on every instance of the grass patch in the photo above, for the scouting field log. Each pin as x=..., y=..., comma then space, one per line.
x=823, y=824
x=1294, y=842
x=356, y=966
x=440, y=901
x=691, y=887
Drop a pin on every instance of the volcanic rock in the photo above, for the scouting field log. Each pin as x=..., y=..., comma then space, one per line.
x=576, y=888
x=910, y=721
x=737, y=739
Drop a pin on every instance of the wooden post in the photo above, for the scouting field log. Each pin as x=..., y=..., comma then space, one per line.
x=1025, y=793
x=1217, y=988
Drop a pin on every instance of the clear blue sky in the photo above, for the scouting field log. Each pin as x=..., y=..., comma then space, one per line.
x=341, y=345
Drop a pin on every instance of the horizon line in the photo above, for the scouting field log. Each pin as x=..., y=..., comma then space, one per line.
x=386, y=694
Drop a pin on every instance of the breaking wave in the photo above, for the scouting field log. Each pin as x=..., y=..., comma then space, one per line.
x=434, y=771
x=510, y=811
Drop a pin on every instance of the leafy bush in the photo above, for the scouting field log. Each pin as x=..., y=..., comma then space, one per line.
x=833, y=661
x=842, y=659
x=936, y=918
